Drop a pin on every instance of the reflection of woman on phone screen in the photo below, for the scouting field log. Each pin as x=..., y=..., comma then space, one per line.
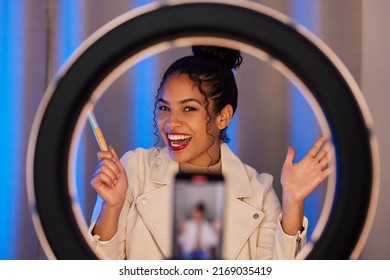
x=194, y=105
x=198, y=237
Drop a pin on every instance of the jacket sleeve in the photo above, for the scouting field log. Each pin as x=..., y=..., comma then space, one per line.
x=288, y=247
x=272, y=242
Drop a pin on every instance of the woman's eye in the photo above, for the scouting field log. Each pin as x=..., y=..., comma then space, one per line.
x=163, y=108
x=190, y=109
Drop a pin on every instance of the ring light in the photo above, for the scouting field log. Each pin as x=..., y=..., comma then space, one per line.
x=257, y=26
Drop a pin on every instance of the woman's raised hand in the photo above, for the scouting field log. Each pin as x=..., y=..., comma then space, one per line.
x=301, y=179
x=109, y=179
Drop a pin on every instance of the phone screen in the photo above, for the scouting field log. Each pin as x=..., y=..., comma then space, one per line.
x=198, y=216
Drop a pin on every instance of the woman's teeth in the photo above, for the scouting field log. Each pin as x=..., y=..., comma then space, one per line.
x=178, y=140
x=178, y=137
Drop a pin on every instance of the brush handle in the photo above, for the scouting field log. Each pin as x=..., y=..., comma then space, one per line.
x=100, y=139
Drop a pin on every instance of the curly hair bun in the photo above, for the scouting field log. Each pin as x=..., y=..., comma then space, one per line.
x=229, y=57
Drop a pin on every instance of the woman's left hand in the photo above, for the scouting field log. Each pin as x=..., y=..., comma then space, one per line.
x=299, y=180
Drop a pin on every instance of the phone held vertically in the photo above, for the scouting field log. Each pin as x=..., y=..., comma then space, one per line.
x=198, y=211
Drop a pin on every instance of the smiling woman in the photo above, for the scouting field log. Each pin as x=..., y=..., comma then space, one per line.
x=317, y=72
x=195, y=103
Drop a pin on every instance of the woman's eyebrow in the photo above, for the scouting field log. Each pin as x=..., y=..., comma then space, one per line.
x=163, y=100
x=187, y=100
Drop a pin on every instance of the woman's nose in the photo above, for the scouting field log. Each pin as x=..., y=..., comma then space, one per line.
x=173, y=121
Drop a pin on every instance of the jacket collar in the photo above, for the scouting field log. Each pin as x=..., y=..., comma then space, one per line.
x=164, y=170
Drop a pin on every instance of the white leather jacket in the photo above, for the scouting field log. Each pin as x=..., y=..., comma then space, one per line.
x=252, y=228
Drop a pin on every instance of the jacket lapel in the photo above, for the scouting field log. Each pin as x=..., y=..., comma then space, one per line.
x=155, y=205
x=155, y=210
x=241, y=219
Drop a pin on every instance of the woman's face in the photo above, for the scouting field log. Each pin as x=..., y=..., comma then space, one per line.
x=183, y=123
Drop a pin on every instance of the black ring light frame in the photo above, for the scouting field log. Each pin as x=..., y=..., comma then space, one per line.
x=331, y=85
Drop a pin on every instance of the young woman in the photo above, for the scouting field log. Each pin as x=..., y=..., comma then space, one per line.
x=194, y=106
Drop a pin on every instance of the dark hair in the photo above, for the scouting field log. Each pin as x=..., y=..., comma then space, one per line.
x=201, y=207
x=211, y=70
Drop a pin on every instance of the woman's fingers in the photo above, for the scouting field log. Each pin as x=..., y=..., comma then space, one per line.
x=110, y=159
x=326, y=160
x=101, y=179
x=105, y=154
x=107, y=171
x=318, y=147
x=325, y=151
x=290, y=155
x=116, y=160
x=322, y=153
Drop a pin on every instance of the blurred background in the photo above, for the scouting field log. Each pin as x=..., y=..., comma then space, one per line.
x=37, y=37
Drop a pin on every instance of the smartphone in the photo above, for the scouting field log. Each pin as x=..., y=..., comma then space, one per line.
x=198, y=211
